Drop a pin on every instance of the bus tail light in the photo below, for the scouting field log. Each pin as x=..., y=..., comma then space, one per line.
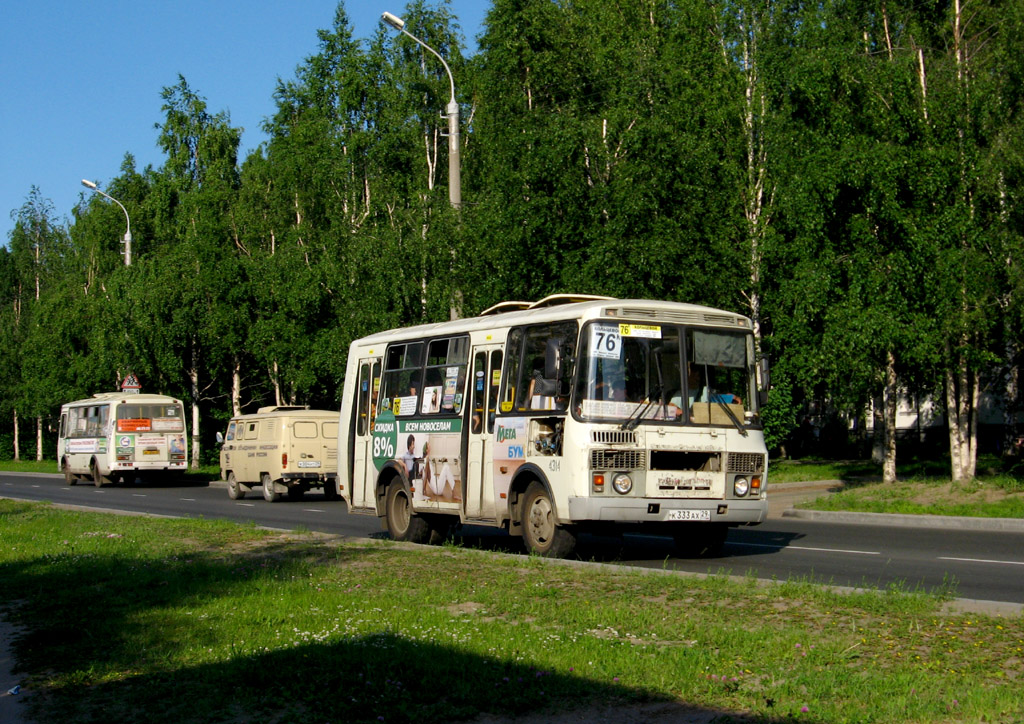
x=598, y=482
x=284, y=460
x=177, y=456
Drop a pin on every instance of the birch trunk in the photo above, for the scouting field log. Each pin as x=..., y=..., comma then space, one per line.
x=878, y=427
x=39, y=439
x=275, y=378
x=236, y=386
x=757, y=196
x=891, y=399
x=962, y=391
x=193, y=376
x=17, y=446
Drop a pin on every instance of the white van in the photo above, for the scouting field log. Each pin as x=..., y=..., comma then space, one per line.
x=284, y=450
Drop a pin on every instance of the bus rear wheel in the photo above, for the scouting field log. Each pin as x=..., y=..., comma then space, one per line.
x=269, y=494
x=403, y=524
x=98, y=478
x=541, y=531
x=235, y=491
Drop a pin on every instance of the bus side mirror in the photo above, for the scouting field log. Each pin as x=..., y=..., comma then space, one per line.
x=763, y=380
x=220, y=438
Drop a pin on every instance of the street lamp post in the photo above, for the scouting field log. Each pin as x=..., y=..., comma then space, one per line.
x=127, y=234
x=454, y=155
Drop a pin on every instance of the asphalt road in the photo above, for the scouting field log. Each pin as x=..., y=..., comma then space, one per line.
x=985, y=565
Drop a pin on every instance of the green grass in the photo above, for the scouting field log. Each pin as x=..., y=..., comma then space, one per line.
x=922, y=487
x=145, y=620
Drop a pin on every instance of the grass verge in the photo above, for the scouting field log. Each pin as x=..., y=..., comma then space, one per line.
x=923, y=487
x=145, y=620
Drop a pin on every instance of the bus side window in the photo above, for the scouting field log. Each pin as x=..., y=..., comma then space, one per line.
x=375, y=393
x=511, y=376
x=363, y=400
x=495, y=382
x=479, y=392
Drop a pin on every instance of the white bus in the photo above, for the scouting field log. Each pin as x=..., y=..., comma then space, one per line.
x=572, y=414
x=115, y=436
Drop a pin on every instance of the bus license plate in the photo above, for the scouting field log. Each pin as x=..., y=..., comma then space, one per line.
x=689, y=515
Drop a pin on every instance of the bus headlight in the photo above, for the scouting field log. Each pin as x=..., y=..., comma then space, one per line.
x=622, y=483
x=740, y=486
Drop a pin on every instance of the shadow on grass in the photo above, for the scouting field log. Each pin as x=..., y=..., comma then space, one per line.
x=85, y=617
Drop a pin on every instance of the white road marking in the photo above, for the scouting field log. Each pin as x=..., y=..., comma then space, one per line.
x=981, y=560
x=312, y=510
x=247, y=505
x=138, y=495
x=190, y=500
x=808, y=548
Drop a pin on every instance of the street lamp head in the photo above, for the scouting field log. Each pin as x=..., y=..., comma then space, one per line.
x=393, y=20
x=89, y=184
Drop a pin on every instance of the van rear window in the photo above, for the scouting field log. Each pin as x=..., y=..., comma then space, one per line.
x=305, y=429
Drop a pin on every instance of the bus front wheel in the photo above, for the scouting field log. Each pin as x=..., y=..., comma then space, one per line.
x=541, y=531
x=403, y=524
x=69, y=477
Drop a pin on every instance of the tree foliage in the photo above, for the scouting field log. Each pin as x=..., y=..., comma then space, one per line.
x=848, y=173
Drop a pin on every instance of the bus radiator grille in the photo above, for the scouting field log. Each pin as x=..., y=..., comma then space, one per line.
x=618, y=460
x=745, y=463
x=613, y=437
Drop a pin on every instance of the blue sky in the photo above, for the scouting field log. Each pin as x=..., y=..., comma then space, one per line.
x=80, y=82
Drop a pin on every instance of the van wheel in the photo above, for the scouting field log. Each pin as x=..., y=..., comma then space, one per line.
x=269, y=494
x=235, y=491
x=403, y=524
x=541, y=531
x=98, y=479
x=331, y=490
x=69, y=477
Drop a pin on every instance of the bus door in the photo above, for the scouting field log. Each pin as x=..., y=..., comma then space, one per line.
x=363, y=472
x=61, y=434
x=478, y=497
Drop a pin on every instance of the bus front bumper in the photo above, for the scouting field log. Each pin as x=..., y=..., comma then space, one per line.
x=660, y=510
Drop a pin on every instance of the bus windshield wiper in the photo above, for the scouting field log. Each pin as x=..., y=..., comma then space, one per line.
x=732, y=416
x=638, y=414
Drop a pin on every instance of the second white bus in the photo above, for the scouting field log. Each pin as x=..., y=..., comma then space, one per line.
x=569, y=415
x=115, y=436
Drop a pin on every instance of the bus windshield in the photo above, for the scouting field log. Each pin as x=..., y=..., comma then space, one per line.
x=153, y=417
x=629, y=373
